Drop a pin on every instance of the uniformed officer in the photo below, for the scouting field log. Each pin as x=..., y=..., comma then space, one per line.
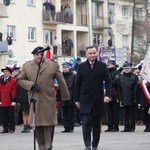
x=44, y=93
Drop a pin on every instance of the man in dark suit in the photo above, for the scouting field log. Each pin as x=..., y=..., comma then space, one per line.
x=89, y=96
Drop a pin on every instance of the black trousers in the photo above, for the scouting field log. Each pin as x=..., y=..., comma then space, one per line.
x=112, y=109
x=8, y=118
x=68, y=117
x=146, y=117
x=91, y=125
x=129, y=117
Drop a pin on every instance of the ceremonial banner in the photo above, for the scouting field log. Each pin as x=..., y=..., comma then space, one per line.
x=145, y=72
x=100, y=54
x=145, y=90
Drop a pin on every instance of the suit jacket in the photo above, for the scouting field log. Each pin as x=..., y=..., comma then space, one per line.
x=89, y=87
x=46, y=98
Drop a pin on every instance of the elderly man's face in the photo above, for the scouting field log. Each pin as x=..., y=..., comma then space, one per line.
x=38, y=57
x=127, y=69
x=6, y=73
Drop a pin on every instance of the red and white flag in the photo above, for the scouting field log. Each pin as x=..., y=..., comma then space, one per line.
x=145, y=73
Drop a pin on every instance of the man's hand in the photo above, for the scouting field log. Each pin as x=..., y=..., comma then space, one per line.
x=13, y=104
x=77, y=104
x=0, y=104
x=36, y=87
x=107, y=99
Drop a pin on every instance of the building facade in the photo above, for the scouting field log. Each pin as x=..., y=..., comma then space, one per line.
x=85, y=22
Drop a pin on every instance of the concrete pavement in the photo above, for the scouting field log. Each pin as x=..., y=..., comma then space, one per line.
x=137, y=140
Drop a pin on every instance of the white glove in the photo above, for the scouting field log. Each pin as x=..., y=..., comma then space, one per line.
x=107, y=99
x=13, y=104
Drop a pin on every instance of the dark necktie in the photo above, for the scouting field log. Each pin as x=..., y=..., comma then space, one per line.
x=92, y=64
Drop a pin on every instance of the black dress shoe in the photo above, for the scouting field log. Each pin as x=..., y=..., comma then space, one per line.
x=94, y=148
x=4, y=131
x=67, y=131
x=114, y=130
x=132, y=130
x=108, y=130
x=127, y=130
x=147, y=130
x=11, y=131
x=88, y=148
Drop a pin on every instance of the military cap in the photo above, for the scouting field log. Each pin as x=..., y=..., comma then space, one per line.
x=78, y=59
x=111, y=62
x=66, y=64
x=127, y=65
x=37, y=50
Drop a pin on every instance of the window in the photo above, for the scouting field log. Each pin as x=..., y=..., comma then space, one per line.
x=31, y=33
x=97, y=39
x=148, y=7
x=31, y=2
x=125, y=40
x=48, y=36
x=111, y=13
x=138, y=14
x=111, y=8
x=11, y=31
x=124, y=12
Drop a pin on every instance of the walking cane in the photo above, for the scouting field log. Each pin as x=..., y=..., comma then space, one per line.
x=33, y=100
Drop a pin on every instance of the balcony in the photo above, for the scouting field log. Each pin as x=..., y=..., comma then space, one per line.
x=3, y=11
x=57, y=18
x=82, y=20
x=100, y=22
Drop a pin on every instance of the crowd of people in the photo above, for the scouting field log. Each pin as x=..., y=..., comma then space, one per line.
x=90, y=94
x=65, y=14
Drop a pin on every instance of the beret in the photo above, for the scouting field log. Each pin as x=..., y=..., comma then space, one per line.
x=37, y=50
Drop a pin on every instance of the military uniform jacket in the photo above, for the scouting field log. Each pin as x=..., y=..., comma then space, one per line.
x=128, y=83
x=46, y=99
x=89, y=89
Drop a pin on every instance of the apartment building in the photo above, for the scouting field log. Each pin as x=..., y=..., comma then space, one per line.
x=85, y=22
x=29, y=24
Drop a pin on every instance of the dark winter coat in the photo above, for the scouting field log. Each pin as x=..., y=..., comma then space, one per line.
x=114, y=74
x=70, y=80
x=128, y=83
x=22, y=95
x=89, y=87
